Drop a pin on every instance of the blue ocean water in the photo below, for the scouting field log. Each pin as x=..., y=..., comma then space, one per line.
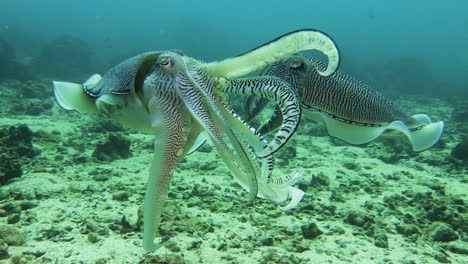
x=369, y=33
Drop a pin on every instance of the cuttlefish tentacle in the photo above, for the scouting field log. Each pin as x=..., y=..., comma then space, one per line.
x=170, y=140
x=280, y=93
x=281, y=47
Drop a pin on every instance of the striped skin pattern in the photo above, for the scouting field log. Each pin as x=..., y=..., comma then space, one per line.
x=339, y=96
x=178, y=99
x=279, y=92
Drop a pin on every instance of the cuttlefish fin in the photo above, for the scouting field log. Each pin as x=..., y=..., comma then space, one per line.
x=285, y=45
x=421, y=138
x=71, y=96
x=169, y=143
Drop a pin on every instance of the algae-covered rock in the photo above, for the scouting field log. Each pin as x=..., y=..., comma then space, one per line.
x=4, y=252
x=116, y=146
x=358, y=218
x=11, y=236
x=460, y=151
x=15, y=149
x=441, y=232
x=458, y=247
x=311, y=231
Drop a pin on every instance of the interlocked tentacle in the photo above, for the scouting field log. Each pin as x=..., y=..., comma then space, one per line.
x=281, y=94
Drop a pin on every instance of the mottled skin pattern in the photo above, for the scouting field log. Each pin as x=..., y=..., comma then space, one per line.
x=179, y=99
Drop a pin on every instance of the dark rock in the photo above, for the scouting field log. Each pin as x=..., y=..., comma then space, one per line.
x=93, y=237
x=381, y=240
x=458, y=247
x=15, y=148
x=28, y=205
x=10, y=168
x=4, y=252
x=103, y=126
x=441, y=232
x=120, y=196
x=268, y=241
x=13, y=219
x=116, y=146
x=11, y=236
x=310, y=231
x=408, y=229
x=460, y=112
x=460, y=151
x=162, y=259
x=357, y=218
x=320, y=181
x=12, y=208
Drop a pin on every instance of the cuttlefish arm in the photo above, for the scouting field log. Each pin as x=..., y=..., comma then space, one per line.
x=271, y=52
x=199, y=99
x=278, y=91
x=170, y=140
x=281, y=47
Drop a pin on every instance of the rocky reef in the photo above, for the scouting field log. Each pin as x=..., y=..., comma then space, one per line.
x=115, y=147
x=15, y=149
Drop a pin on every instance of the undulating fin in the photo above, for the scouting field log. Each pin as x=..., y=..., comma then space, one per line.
x=421, y=137
x=281, y=47
x=71, y=96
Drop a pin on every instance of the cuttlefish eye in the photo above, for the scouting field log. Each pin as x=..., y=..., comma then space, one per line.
x=166, y=62
x=295, y=64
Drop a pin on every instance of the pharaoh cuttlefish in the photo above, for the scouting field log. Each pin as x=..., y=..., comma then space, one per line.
x=182, y=101
x=351, y=111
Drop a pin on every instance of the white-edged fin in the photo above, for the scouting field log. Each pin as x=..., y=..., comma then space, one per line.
x=71, y=96
x=201, y=139
x=93, y=80
x=423, y=137
x=353, y=134
x=420, y=138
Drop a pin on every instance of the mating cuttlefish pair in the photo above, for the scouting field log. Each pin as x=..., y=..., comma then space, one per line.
x=183, y=102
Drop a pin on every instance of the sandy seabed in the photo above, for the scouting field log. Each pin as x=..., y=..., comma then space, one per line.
x=378, y=203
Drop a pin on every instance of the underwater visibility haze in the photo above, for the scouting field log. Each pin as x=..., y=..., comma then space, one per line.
x=233, y=131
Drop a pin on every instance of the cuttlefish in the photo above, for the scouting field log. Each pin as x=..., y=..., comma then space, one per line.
x=350, y=109
x=182, y=101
